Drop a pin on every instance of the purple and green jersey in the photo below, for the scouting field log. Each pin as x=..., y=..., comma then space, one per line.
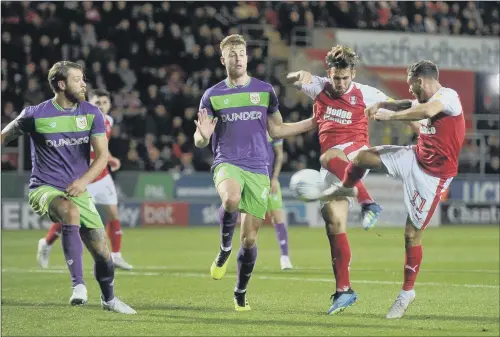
x=60, y=141
x=240, y=137
x=271, y=143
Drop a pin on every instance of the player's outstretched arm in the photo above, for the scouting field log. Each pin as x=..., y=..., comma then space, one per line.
x=22, y=124
x=416, y=113
x=10, y=133
x=205, y=127
x=278, y=130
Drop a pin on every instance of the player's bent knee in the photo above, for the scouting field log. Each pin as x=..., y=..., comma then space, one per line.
x=335, y=226
x=69, y=213
x=329, y=155
x=230, y=202
x=248, y=241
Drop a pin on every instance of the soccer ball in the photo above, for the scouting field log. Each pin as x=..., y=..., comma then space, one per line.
x=306, y=185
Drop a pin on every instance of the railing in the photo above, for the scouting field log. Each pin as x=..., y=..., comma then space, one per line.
x=300, y=37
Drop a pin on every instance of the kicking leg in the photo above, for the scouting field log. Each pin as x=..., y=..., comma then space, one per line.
x=230, y=194
x=247, y=256
x=104, y=271
x=413, y=259
x=336, y=162
x=45, y=244
x=65, y=211
x=335, y=215
x=114, y=231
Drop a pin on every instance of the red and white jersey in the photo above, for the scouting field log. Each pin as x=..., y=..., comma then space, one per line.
x=108, y=123
x=441, y=137
x=342, y=119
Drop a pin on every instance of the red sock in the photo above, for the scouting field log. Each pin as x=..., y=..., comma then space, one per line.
x=353, y=175
x=412, y=266
x=54, y=233
x=339, y=167
x=113, y=228
x=341, y=260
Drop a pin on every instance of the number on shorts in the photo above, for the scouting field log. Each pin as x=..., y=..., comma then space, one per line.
x=265, y=193
x=417, y=201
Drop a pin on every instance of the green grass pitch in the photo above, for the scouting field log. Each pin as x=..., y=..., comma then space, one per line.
x=170, y=286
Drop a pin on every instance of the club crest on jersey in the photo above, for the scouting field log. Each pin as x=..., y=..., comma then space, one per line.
x=81, y=122
x=352, y=100
x=254, y=97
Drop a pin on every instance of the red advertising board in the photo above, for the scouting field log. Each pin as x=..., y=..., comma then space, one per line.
x=163, y=214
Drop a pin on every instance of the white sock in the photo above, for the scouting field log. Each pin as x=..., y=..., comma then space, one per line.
x=407, y=293
x=226, y=249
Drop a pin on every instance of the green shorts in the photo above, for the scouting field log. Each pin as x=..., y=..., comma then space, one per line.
x=41, y=197
x=275, y=201
x=254, y=188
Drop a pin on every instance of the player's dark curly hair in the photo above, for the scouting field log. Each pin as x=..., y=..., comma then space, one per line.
x=59, y=72
x=99, y=93
x=341, y=57
x=424, y=68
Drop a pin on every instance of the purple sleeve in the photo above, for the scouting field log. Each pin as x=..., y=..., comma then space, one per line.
x=273, y=102
x=25, y=122
x=276, y=142
x=206, y=104
x=98, y=126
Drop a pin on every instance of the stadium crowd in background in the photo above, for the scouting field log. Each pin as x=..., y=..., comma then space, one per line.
x=157, y=60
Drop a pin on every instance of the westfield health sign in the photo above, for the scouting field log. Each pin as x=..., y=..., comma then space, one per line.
x=394, y=49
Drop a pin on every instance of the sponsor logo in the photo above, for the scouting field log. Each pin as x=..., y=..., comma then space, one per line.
x=19, y=215
x=427, y=130
x=67, y=142
x=164, y=214
x=470, y=214
x=130, y=214
x=475, y=191
x=241, y=116
x=81, y=122
x=255, y=98
x=52, y=125
x=400, y=49
x=338, y=115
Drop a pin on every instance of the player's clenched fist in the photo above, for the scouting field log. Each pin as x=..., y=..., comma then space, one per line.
x=76, y=188
x=205, y=124
x=299, y=77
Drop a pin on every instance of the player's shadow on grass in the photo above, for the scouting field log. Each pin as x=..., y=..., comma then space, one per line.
x=411, y=317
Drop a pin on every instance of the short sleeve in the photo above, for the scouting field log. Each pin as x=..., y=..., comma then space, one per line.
x=98, y=127
x=450, y=100
x=315, y=87
x=372, y=95
x=25, y=122
x=273, y=102
x=206, y=104
x=276, y=142
x=110, y=120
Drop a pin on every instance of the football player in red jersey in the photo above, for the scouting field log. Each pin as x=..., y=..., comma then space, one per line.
x=339, y=105
x=102, y=190
x=426, y=169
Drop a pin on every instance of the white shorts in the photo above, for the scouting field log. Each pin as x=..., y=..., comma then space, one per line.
x=422, y=191
x=103, y=191
x=330, y=178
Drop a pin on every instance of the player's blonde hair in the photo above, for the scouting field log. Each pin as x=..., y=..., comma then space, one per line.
x=232, y=40
x=341, y=57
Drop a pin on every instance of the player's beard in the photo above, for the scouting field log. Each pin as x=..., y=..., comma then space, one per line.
x=237, y=73
x=75, y=97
